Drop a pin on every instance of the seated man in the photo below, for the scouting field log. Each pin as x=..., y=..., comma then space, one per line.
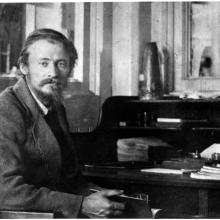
x=38, y=164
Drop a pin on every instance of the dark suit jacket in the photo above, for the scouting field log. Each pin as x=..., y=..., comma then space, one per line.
x=30, y=158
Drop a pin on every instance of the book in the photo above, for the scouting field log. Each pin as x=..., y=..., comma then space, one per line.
x=210, y=169
x=209, y=172
x=135, y=207
x=205, y=176
x=196, y=94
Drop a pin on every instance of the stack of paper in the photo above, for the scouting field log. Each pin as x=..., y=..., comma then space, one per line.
x=207, y=172
x=207, y=153
x=210, y=169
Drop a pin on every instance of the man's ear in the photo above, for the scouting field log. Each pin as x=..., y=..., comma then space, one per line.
x=23, y=68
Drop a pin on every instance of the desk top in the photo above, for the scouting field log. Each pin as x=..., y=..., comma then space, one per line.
x=137, y=177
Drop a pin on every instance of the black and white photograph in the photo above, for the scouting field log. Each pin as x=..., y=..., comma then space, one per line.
x=110, y=109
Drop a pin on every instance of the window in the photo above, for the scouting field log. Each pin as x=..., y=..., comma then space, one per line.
x=10, y=37
x=205, y=41
x=197, y=46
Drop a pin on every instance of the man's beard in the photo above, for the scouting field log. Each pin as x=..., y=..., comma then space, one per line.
x=49, y=99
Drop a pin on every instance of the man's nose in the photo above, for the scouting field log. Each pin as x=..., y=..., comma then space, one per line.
x=53, y=70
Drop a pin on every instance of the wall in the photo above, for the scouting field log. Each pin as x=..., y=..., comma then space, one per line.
x=110, y=40
x=130, y=32
x=118, y=31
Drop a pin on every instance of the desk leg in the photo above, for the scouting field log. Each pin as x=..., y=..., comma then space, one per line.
x=203, y=203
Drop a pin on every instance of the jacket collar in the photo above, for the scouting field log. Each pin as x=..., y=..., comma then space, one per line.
x=24, y=95
x=40, y=104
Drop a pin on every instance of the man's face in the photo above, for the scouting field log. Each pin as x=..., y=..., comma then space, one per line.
x=48, y=68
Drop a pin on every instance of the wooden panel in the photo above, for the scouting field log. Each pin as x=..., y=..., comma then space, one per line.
x=125, y=55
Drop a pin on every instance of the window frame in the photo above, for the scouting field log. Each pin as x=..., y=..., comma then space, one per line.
x=182, y=56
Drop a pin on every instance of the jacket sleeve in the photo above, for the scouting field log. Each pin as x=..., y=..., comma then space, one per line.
x=15, y=193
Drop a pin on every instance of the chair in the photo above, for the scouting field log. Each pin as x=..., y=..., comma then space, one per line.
x=22, y=215
x=83, y=111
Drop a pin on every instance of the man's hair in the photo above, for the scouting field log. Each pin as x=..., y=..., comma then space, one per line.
x=50, y=35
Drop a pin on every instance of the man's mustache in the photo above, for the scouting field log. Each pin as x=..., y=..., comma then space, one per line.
x=48, y=81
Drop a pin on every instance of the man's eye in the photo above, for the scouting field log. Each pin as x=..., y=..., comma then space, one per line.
x=44, y=64
x=61, y=65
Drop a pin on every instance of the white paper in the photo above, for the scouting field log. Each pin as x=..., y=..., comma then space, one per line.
x=162, y=170
x=207, y=153
x=169, y=120
x=204, y=176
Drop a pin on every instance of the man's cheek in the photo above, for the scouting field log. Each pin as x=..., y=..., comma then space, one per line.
x=63, y=83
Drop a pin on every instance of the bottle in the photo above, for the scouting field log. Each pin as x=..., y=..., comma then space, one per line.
x=151, y=71
x=145, y=119
x=142, y=88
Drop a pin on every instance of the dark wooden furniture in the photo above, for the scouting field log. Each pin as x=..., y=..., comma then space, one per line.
x=25, y=215
x=124, y=117
x=178, y=195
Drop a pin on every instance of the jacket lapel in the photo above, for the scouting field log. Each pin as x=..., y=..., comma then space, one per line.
x=43, y=137
x=64, y=126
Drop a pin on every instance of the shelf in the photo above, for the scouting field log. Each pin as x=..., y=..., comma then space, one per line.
x=146, y=128
x=165, y=128
x=205, y=129
x=165, y=100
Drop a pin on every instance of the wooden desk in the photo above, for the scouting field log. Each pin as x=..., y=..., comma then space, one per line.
x=177, y=194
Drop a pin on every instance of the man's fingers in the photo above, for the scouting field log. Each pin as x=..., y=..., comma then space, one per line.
x=117, y=213
x=117, y=206
x=99, y=204
x=112, y=192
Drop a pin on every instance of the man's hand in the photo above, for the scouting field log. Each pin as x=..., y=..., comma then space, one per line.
x=98, y=205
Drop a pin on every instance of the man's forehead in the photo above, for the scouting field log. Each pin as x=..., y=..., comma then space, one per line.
x=44, y=44
x=45, y=48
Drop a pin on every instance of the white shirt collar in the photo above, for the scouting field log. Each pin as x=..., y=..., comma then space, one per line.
x=40, y=104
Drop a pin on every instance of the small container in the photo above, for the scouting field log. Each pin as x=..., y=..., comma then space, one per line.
x=194, y=155
x=145, y=119
x=216, y=157
x=143, y=93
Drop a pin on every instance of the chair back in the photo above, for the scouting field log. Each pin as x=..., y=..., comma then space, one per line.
x=83, y=112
